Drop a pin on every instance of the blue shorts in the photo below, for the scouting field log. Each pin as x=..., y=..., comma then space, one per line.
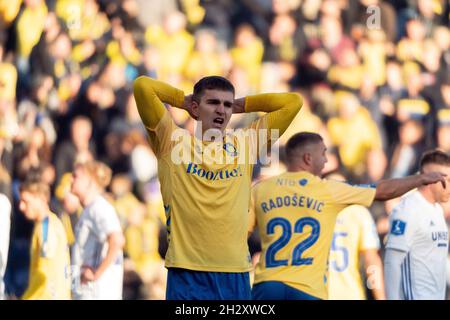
x=276, y=290
x=183, y=284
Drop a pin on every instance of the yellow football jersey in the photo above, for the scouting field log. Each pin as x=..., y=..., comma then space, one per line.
x=50, y=262
x=295, y=213
x=354, y=232
x=206, y=200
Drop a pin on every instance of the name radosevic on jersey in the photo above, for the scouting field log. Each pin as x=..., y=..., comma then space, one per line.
x=296, y=213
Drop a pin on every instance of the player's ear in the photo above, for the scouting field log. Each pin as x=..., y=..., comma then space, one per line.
x=195, y=109
x=307, y=158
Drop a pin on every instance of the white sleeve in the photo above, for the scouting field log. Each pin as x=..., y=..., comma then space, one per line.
x=402, y=226
x=393, y=261
x=5, y=223
x=106, y=221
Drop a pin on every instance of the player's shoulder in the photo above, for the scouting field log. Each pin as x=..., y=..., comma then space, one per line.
x=263, y=183
x=408, y=208
x=101, y=206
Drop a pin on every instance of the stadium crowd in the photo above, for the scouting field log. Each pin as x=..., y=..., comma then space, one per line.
x=375, y=77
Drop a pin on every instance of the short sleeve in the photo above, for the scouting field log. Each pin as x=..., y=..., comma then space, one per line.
x=402, y=227
x=106, y=221
x=369, y=236
x=345, y=194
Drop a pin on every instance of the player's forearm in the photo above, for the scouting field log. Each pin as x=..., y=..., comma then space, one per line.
x=374, y=273
x=115, y=244
x=393, y=273
x=282, y=108
x=393, y=188
x=150, y=94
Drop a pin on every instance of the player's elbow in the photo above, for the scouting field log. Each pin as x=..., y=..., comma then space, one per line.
x=382, y=192
x=139, y=84
x=296, y=101
x=117, y=240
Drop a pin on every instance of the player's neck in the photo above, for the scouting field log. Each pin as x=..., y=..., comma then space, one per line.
x=44, y=213
x=89, y=197
x=426, y=193
x=208, y=135
x=298, y=168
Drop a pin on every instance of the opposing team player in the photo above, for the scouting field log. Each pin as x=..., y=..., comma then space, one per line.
x=417, y=246
x=97, y=253
x=296, y=214
x=207, y=201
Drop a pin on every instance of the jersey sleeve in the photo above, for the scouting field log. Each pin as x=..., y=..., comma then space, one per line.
x=150, y=96
x=369, y=236
x=402, y=227
x=107, y=221
x=281, y=109
x=343, y=194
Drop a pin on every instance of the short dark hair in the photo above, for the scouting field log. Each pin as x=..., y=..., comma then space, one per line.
x=434, y=157
x=211, y=83
x=300, y=140
x=36, y=188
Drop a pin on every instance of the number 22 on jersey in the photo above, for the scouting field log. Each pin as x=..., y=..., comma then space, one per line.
x=283, y=240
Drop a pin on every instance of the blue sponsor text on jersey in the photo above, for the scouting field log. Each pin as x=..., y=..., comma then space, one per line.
x=439, y=236
x=292, y=201
x=195, y=169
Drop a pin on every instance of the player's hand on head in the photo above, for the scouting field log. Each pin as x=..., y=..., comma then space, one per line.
x=239, y=105
x=433, y=177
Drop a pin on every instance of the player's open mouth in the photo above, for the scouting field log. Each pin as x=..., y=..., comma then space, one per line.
x=219, y=121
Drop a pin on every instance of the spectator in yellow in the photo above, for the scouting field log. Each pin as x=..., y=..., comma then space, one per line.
x=50, y=260
x=354, y=133
x=125, y=201
x=83, y=19
x=411, y=47
x=373, y=52
x=206, y=59
x=123, y=50
x=141, y=245
x=247, y=54
x=30, y=25
x=173, y=42
x=8, y=79
x=348, y=72
x=305, y=121
x=8, y=11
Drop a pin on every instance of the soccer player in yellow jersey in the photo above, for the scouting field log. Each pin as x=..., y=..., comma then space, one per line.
x=207, y=199
x=50, y=261
x=355, y=237
x=296, y=214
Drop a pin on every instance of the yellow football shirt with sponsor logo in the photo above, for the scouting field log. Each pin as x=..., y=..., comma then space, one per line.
x=296, y=213
x=50, y=262
x=355, y=231
x=206, y=185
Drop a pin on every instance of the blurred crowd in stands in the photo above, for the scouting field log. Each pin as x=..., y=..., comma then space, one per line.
x=375, y=77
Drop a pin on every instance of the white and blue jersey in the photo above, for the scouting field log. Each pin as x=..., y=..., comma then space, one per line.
x=418, y=228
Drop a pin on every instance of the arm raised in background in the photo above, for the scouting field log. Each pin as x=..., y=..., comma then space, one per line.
x=393, y=188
